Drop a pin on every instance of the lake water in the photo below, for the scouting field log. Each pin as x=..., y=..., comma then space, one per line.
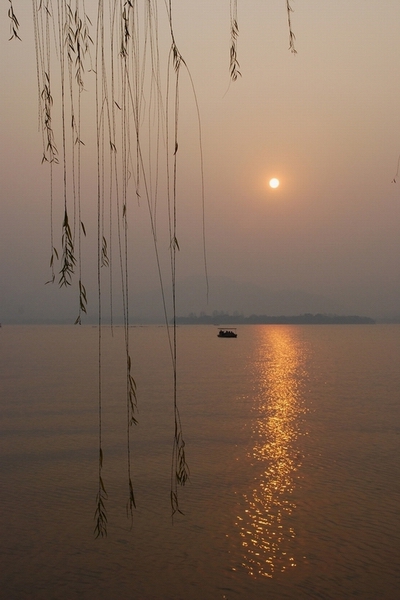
x=292, y=438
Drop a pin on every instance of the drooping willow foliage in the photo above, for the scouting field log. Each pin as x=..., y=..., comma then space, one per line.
x=116, y=52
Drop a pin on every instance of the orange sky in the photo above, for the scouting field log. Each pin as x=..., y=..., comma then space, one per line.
x=326, y=122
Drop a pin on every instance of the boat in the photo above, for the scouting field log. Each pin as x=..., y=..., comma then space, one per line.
x=227, y=333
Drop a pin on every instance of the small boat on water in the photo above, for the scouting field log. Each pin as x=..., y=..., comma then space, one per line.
x=227, y=333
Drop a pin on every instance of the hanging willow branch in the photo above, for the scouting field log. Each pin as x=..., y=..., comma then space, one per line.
x=14, y=24
x=179, y=466
x=78, y=41
x=100, y=516
x=234, y=63
x=82, y=303
x=50, y=151
x=292, y=37
x=68, y=257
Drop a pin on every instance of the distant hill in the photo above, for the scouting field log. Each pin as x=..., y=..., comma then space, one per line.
x=231, y=297
x=306, y=319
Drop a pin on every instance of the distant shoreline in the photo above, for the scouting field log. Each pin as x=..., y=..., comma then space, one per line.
x=305, y=319
x=219, y=318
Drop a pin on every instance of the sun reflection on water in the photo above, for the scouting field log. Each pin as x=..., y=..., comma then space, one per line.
x=266, y=524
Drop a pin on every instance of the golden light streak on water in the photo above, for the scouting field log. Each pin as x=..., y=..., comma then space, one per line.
x=266, y=527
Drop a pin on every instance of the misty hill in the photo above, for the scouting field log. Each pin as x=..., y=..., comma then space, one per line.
x=231, y=297
x=306, y=319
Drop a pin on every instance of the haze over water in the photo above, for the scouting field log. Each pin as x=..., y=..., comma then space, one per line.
x=292, y=438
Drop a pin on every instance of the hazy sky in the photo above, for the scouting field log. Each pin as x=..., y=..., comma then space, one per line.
x=326, y=122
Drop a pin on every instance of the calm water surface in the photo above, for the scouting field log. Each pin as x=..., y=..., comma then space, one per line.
x=292, y=438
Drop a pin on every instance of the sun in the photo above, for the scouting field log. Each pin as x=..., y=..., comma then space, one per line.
x=274, y=182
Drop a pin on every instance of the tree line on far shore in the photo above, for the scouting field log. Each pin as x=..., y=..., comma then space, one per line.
x=222, y=318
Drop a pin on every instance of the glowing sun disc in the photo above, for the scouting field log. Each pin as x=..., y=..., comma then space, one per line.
x=274, y=183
